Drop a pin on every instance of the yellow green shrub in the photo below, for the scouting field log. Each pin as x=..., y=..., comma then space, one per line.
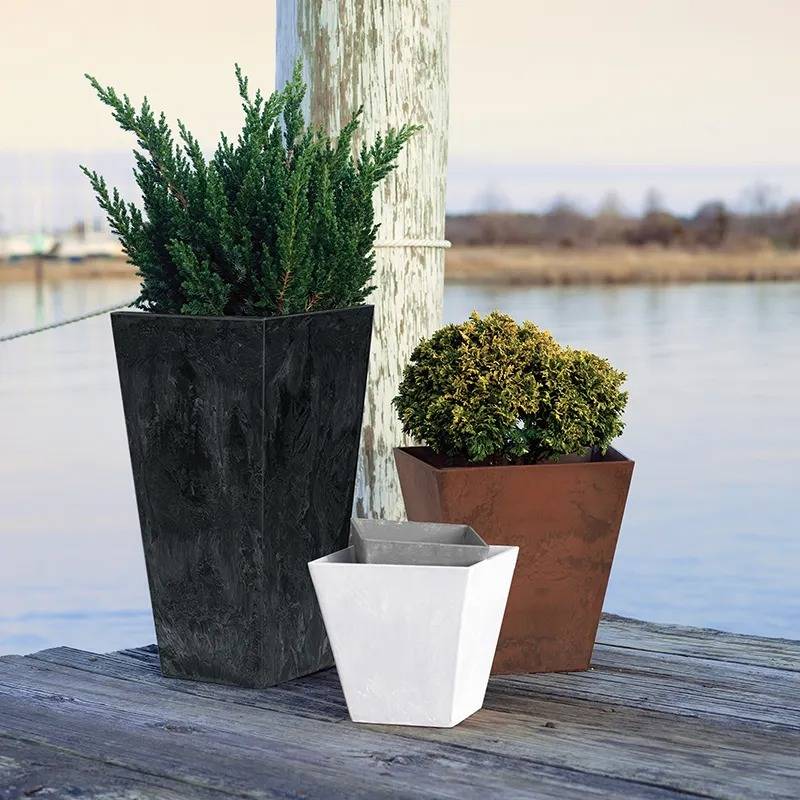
x=492, y=391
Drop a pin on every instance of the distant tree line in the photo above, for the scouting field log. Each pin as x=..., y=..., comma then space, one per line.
x=713, y=226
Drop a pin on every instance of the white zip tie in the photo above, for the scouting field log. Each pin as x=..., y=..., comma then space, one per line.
x=443, y=243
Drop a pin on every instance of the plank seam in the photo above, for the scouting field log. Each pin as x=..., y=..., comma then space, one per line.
x=662, y=710
x=527, y=760
x=183, y=690
x=705, y=657
x=656, y=707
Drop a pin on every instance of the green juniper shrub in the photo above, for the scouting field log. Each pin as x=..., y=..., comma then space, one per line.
x=494, y=392
x=280, y=221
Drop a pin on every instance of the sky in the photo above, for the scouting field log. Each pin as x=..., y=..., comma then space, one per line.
x=574, y=98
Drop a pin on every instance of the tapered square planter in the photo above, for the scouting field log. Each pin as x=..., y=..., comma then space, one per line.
x=565, y=518
x=378, y=541
x=243, y=435
x=413, y=644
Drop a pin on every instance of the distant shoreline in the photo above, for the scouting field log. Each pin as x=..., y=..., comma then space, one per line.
x=55, y=269
x=536, y=266
x=517, y=266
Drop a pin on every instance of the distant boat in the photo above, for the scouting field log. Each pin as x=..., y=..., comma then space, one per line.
x=14, y=248
x=77, y=247
x=70, y=246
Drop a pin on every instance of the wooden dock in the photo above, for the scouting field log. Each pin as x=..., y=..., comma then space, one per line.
x=665, y=712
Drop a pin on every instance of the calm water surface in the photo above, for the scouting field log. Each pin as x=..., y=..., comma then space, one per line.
x=710, y=537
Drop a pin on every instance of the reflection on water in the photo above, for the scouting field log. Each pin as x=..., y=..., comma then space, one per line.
x=710, y=534
x=71, y=571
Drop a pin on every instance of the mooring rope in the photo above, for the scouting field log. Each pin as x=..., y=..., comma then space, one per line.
x=443, y=243
x=97, y=313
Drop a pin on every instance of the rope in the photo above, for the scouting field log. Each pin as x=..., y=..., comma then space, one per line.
x=443, y=243
x=98, y=313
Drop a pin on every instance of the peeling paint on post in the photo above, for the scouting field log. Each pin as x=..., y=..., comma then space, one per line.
x=392, y=57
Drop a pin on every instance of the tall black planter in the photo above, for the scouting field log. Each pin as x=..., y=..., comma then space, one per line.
x=243, y=435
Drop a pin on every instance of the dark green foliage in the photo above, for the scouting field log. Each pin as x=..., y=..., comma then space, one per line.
x=279, y=222
x=492, y=391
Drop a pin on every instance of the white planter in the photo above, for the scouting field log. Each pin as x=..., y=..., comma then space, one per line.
x=413, y=644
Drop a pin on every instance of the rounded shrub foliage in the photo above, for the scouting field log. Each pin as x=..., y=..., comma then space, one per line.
x=492, y=391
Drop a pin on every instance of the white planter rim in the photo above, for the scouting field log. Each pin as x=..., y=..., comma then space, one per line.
x=347, y=558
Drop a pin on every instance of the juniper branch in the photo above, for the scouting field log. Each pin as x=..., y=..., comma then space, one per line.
x=279, y=220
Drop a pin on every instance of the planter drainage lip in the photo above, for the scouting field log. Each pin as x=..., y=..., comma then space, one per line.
x=416, y=543
x=423, y=454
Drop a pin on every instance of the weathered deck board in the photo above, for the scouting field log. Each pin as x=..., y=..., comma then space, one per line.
x=665, y=712
x=758, y=651
x=28, y=769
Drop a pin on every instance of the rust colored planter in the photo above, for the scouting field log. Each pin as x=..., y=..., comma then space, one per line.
x=565, y=519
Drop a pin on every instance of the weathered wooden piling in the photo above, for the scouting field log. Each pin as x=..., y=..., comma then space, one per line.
x=392, y=58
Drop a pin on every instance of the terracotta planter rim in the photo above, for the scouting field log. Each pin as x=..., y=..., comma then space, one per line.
x=237, y=318
x=413, y=453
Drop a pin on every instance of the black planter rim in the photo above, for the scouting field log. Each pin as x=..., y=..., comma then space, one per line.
x=238, y=318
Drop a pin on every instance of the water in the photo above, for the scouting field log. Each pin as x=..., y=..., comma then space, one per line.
x=710, y=535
